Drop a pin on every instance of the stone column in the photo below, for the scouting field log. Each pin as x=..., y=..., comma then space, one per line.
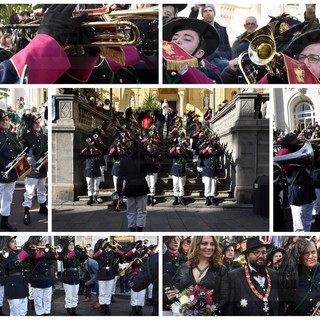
x=181, y=95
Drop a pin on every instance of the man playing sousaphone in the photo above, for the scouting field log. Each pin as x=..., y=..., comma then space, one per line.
x=9, y=150
x=186, y=42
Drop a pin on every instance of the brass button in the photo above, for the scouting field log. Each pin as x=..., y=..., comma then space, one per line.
x=173, y=73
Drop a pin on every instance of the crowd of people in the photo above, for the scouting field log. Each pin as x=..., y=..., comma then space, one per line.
x=134, y=141
x=73, y=56
x=241, y=276
x=297, y=182
x=204, y=42
x=32, y=271
x=24, y=156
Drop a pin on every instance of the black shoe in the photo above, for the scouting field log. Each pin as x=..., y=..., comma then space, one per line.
x=102, y=309
x=90, y=201
x=148, y=200
x=149, y=302
x=69, y=311
x=73, y=311
x=5, y=224
x=139, y=229
x=107, y=310
x=181, y=201
x=152, y=201
x=43, y=208
x=47, y=314
x=176, y=201
x=26, y=219
x=139, y=311
x=133, y=229
x=96, y=200
x=133, y=311
x=208, y=201
x=214, y=203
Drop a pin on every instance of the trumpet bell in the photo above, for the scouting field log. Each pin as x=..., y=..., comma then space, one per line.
x=262, y=50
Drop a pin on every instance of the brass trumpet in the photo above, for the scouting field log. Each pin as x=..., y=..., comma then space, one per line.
x=13, y=163
x=5, y=252
x=116, y=244
x=103, y=35
x=42, y=161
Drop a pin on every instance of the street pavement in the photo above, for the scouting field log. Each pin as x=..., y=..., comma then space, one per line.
x=39, y=222
x=121, y=306
x=102, y=217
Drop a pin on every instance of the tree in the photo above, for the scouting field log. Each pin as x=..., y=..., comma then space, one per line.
x=150, y=103
x=4, y=93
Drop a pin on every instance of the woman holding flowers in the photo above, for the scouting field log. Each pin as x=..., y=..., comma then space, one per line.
x=202, y=282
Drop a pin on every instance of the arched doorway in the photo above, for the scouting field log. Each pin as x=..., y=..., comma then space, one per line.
x=303, y=114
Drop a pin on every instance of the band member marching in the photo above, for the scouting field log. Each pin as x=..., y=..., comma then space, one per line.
x=179, y=154
x=137, y=254
x=209, y=154
x=41, y=258
x=9, y=150
x=71, y=256
x=105, y=254
x=31, y=136
x=16, y=286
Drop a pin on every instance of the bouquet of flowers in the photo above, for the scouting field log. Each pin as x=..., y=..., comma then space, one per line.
x=194, y=301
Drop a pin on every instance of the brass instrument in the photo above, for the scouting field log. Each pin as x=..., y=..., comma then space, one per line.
x=261, y=51
x=42, y=161
x=124, y=269
x=5, y=252
x=13, y=163
x=241, y=259
x=116, y=244
x=316, y=310
x=103, y=36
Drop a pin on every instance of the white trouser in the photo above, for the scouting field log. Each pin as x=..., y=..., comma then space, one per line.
x=302, y=217
x=71, y=292
x=1, y=295
x=115, y=180
x=209, y=186
x=42, y=300
x=31, y=185
x=18, y=307
x=152, y=180
x=150, y=289
x=137, y=211
x=113, y=291
x=316, y=203
x=30, y=292
x=137, y=298
x=105, y=291
x=93, y=186
x=102, y=170
x=178, y=185
x=6, y=195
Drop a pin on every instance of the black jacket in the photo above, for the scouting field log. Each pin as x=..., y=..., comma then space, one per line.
x=215, y=278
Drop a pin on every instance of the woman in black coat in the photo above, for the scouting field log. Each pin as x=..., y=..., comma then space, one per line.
x=204, y=267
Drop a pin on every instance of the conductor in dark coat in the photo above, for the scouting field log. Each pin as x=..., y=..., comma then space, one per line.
x=254, y=288
x=133, y=170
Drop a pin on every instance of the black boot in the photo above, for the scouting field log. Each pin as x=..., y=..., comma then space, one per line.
x=96, y=200
x=214, y=203
x=102, y=309
x=139, y=229
x=69, y=311
x=148, y=200
x=149, y=302
x=208, y=201
x=43, y=208
x=5, y=224
x=181, y=201
x=107, y=310
x=152, y=201
x=176, y=201
x=26, y=219
x=90, y=201
x=133, y=229
x=133, y=311
x=74, y=311
x=139, y=311
x=1, y=313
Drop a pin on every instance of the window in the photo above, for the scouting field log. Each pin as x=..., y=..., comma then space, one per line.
x=303, y=114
